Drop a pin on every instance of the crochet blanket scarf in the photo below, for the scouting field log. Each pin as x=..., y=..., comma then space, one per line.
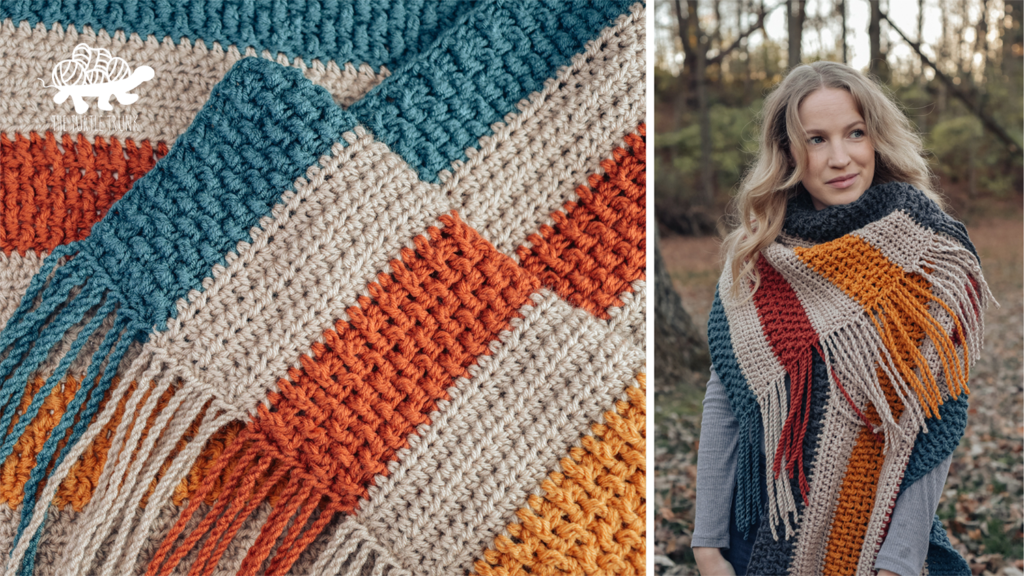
x=849, y=364
x=342, y=288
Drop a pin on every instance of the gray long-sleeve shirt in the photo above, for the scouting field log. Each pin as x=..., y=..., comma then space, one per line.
x=906, y=543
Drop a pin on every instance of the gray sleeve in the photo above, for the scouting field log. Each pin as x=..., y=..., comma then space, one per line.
x=906, y=542
x=716, y=468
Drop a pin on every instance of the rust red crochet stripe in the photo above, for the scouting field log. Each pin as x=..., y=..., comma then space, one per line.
x=339, y=419
x=793, y=339
x=597, y=246
x=52, y=194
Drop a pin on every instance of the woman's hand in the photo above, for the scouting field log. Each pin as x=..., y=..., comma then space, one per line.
x=710, y=562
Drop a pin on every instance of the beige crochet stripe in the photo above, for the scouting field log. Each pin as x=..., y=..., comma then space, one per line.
x=835, y=444
x=185, y=73
x=766, y=378
x=630, y=319
x=308, y=262
x=532, y=163
x=16, y=272
x=462, y=478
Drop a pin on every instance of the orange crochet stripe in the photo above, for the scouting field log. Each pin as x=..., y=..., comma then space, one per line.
x=860, y=484
x=16, y=469
x=52, y=194
x=597, y=247
x=339, y=419
x=591, y=518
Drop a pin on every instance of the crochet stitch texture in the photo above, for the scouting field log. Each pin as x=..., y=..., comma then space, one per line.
x=850, y=363
x=352, y=307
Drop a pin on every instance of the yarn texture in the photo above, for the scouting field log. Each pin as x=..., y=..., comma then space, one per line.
x=851, y=363
x=363, y=295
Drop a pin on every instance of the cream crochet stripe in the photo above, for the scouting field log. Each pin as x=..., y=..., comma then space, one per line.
x=185, y=73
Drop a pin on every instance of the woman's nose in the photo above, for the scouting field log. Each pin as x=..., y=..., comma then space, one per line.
x=838, y=157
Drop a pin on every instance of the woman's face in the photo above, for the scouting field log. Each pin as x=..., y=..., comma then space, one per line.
x=840, y=156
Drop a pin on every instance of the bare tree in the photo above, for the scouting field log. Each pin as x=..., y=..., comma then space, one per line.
x=795, y=9
x=696, y=44
x=842, y=19
x=874, y=35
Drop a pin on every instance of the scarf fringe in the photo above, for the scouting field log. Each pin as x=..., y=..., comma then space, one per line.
x=64, y=309
x=251, y=480
x=353, y=551
x=781, y=504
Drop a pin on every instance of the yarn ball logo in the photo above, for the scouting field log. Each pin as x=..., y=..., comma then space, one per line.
x=95, y=73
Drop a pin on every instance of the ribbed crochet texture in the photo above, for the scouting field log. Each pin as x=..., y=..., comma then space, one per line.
x=266, y=319
x=857, y=345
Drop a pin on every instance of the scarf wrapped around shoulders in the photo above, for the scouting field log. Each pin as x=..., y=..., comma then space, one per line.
x=856, y=345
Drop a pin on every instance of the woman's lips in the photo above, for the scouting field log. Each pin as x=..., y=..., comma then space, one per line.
x=842, y=181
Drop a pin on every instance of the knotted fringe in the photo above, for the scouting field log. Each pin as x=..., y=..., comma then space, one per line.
x=251, y=480
x=353, y=551
x=142, y=444
x=65, y=307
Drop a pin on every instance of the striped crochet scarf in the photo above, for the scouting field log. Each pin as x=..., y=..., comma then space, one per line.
x=850, y=364
x=303, y=317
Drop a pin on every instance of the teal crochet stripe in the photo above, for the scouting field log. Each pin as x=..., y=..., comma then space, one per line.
x=438, y=105
x=375, y=32
x=749, y=468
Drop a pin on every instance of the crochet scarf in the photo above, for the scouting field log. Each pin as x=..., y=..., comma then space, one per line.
x=371, y=303
x=850, y=363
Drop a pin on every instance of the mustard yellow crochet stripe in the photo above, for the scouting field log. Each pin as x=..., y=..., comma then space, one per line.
x=591, y=517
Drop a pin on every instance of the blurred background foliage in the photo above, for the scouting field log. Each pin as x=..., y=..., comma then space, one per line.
x=711, y=79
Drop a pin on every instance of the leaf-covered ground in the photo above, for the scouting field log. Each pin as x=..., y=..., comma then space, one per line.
x=981, y=506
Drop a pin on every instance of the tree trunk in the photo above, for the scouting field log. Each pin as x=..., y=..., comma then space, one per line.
x=795, y=11
x=707, y=170
x=874, y=35
x=842, y=15
x=681, y=355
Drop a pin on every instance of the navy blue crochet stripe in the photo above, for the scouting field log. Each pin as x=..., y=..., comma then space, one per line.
x=265, y=125
x=804, y=221
x=767, y=555
x=749, y=468
x=376, y=32
x=941, y=440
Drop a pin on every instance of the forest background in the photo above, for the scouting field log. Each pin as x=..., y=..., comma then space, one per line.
x=957, y=69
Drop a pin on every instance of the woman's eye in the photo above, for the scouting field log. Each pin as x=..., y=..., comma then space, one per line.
x=816, y=140
x=857, y=133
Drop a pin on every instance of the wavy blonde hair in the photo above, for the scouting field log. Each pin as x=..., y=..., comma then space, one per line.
x=760, y=204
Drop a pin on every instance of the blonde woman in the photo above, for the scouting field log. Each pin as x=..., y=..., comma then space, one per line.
x=846, y=320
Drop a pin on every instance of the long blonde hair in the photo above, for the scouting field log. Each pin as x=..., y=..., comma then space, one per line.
x=760, y=204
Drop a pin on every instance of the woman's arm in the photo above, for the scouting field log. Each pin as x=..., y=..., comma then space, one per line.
x=906, y=542
x=716, y=478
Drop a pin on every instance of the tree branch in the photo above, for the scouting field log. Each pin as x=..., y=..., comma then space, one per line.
x=986, y=120
x=759, y=25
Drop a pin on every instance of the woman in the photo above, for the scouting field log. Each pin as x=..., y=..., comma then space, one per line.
x=846, y=320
